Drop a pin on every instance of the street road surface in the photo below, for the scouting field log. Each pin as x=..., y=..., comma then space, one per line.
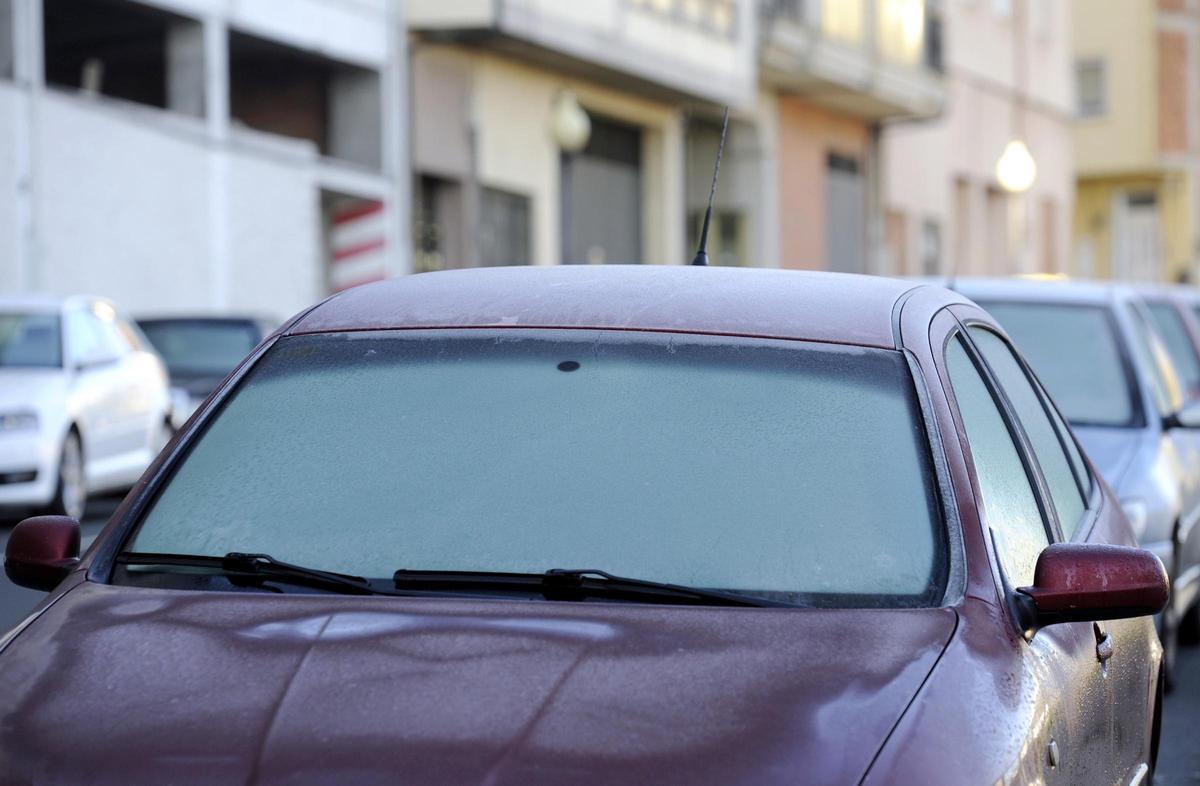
x=1179, y=756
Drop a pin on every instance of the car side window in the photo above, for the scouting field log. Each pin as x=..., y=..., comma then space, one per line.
x=1044, y=438
x=83, y=337
x=112, y=343
x=1178, y=344
x=1008, y=501
x=1150, y=355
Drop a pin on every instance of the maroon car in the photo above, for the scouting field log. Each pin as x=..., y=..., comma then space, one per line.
x=601, y=525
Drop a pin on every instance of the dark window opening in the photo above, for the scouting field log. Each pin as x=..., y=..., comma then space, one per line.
x=286, y=91
x=7, y=66
x=125, y=50
x=504, y=228
x=437, y=224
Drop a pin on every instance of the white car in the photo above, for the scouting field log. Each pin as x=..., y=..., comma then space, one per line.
x=84, y=402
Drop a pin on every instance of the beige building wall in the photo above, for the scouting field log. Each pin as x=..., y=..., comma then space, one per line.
x=945, y=209
x=509, y=104
x=1138, y=216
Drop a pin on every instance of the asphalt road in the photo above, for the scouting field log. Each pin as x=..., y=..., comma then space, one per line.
x=1179, y=755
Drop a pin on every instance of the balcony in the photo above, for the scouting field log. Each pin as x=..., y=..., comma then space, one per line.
x=664, y=48
x=874, y=59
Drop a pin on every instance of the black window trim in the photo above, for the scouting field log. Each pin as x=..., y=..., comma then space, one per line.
x=1086, y=491
x=1033, y=470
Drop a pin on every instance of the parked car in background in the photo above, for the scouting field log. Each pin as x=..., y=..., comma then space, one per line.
x=200, y=351
x=603, y=525
x=1176, y=314
x=83, y=402
x=1097, y=351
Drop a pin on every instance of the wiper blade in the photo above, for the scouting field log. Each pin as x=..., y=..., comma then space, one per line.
x=576, y=584
x=579, y=579
x=260, y=567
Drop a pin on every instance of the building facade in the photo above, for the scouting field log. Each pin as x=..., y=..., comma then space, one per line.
x=1137, y=149
x=946, y=211
x=202, y=155
x=807, y=81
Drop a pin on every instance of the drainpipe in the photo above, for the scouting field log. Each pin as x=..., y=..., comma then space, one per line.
x=216, y=108
x=876, y=263
x=394, y=85
x=29, y=73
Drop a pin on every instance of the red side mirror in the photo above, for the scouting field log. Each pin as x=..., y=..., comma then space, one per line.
x=1082, y=582
x=42, y=551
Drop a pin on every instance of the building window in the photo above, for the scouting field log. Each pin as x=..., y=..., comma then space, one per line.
x=931, y=247
x=294, y=93
x=504, y=228
x=1090, y=86
x=437, y=225
x=7, y=67
x=726, y=236
x=125, y=50
x=842, y=20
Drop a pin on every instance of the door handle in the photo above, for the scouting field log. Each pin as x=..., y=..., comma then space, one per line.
x=1104, y=643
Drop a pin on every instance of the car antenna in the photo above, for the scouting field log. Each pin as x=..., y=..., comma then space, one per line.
x=701, y=257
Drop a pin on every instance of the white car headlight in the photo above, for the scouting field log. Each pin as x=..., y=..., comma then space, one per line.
x=1137, y=513
x=18, y=421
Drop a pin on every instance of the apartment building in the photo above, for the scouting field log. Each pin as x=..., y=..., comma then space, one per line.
x=1137, y=139
x=837, y=70
x=948, y=207
x=201, y=154
x=500, y=180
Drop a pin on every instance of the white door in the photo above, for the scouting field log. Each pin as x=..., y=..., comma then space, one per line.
x=1137, y=237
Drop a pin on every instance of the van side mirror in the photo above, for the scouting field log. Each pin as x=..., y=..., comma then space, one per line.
x=42, y=551
x=1079, y=582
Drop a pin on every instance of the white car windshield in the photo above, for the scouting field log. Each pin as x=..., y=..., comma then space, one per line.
x=30, y=340
x=794, y=470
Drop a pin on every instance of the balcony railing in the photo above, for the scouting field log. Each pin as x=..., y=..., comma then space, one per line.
x=907, y=32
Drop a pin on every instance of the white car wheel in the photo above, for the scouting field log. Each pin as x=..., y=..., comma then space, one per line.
x=71, y=498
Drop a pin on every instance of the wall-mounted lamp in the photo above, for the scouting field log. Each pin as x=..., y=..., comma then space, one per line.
x=570, y=123
x=1015, y=169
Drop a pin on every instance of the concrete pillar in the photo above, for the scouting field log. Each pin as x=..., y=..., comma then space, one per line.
x=186, y=68
x=397, y=168
x=29, y=75
x=216, y=118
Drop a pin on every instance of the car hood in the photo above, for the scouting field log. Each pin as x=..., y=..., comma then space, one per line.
x=1112, y=450
x=30, y=388
x=119, y=684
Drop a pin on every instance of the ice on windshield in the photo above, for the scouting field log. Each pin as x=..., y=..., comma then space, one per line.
x=767, y=466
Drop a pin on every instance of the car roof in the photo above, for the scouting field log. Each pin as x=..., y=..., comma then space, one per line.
x=1044, y=290
x=813, y=306
x=208, y=319
x=44, y=303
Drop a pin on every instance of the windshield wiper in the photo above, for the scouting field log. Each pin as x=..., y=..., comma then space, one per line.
x=242, y=567
x=576, y=584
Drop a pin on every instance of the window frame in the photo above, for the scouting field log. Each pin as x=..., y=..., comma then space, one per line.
x=1085, y=485
x=967, y=317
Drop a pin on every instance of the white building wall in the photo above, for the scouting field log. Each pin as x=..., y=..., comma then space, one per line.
x=169, y=213
x=925, y=163
x=9, y=246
